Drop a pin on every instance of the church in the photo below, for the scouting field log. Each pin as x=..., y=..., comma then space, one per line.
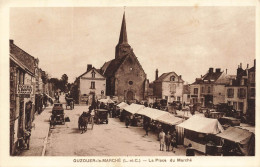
x=125, y=77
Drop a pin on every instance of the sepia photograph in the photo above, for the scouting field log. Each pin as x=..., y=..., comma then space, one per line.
x=159, y=84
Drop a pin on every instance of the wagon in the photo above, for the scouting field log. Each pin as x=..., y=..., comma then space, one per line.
x=101, y=115
x=69, y=102
x=57, y=116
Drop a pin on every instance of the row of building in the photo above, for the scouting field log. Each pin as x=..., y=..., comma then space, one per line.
x=27, y=90
x=217, y=87
x=124, y=79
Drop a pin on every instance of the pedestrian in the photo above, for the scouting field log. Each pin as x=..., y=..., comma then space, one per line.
x=190, y=151
x=162, y=140
x=173, y=142
x=146, y=127
x=168, y=141
x=127, y=121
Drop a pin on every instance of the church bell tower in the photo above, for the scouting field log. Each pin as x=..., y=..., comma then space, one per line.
x=122, y=48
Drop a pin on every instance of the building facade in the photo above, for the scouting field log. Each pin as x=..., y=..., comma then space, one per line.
x=251, y=96
x=91, y=84
x=210, y=88
x=22, y=93
x=186, y=94
x=169, y=86
x=125, y=77
x=240, y=92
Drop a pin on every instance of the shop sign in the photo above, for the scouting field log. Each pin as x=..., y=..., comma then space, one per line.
x=24, y=89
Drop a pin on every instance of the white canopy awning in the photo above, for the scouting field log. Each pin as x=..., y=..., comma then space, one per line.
x=169, y=119
x=202, y=125
x=133, y=108
x=122, y=105
x=106, y=101
x=151, y=113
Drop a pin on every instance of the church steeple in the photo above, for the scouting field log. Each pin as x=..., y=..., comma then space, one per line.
x=123, y=33
x=122, y=48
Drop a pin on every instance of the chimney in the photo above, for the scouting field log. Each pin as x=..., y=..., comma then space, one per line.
x=180, y=76
x=240, y=65
x=211, y=70
x=254, y=63
x=156, y=74
x=11, y=41
x=89, y=67
x=226, y=70
x=218, y=70
x=247, y=66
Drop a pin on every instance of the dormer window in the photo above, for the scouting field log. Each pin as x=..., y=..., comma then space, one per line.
x=172, y=78
x=93, y=74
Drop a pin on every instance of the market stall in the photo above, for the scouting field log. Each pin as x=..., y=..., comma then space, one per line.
x=151, y=112
x=240, y=141
x=198, y=131
x=130, y=111
x=169, y=119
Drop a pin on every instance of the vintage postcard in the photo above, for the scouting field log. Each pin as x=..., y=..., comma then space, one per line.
x=129, y=83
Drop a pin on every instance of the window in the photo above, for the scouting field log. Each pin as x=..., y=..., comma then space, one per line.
x=130, y=68
x=130, y=82
x=240, y=106
x=252, y=92
x=202, y=89
x=178, y=98
x=166, y=98
x=229, y=103
x=209, y=89
x=93, y=74
x=172, y=78
x=92, y=85
x=196, y=90
x=230, y=93
x=173, y=88
x=235, y=105
x=241, y=93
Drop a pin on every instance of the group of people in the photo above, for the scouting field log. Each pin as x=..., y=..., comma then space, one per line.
x=169, y=140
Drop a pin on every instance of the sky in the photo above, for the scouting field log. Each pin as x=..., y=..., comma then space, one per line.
x=186, y=40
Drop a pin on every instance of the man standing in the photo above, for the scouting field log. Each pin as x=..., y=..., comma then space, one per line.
x=168, y=141
x=146, y=127
x=162, y=140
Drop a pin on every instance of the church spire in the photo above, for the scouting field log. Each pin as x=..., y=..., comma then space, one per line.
x=123, y=34
x=122, y=48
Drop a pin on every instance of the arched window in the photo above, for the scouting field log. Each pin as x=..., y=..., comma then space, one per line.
x=172, y=78
x=93, y=74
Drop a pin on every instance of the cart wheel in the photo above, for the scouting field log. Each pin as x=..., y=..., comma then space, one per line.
x=106, y=121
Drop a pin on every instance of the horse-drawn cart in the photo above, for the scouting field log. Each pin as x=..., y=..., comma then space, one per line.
x=69, y=102
x=84, y=120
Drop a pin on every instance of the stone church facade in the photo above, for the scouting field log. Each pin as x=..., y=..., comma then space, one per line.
x=125, y=77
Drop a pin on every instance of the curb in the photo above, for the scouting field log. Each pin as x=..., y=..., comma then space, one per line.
x=45, y=142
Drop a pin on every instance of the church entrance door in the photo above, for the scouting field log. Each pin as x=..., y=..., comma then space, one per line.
x=129, y=96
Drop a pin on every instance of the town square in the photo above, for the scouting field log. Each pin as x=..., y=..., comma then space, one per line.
x=132, y=81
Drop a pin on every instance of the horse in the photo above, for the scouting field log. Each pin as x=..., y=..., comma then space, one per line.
x=83, y=123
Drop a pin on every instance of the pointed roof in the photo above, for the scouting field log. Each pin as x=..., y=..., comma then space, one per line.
x=123, y=34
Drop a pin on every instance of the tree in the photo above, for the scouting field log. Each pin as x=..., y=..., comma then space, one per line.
x=64, y=82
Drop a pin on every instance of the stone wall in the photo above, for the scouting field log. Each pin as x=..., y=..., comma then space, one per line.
x=130, y=77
